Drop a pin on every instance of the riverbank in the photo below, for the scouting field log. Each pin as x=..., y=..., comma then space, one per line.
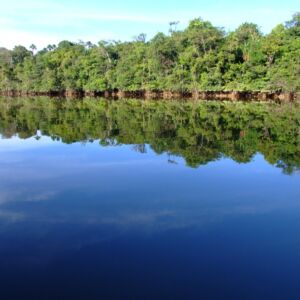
x=207, y=95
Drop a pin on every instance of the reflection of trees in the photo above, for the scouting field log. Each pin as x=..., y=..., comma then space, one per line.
x=141, y=148
x=199, y=132
x=171, y=160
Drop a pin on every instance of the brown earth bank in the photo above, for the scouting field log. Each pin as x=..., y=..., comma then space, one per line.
x=207, y=95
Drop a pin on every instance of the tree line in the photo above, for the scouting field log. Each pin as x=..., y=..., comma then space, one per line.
x=198, y=131
x=201, y=57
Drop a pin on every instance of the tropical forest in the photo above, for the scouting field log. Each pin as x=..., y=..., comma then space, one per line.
x=202, y=57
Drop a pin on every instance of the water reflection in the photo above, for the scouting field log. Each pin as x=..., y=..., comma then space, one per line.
x=199, y=132
x=130, y=218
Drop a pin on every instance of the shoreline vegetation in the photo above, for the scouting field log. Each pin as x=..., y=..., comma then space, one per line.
x=201, y=61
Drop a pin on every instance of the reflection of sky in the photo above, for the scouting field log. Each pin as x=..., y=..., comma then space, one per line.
x=120, y=186
x=122, y=218
x=15, y=144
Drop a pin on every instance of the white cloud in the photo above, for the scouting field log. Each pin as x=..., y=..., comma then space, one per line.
x=13, y=37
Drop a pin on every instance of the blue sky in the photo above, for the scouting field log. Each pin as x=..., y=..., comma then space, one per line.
x=44, y=22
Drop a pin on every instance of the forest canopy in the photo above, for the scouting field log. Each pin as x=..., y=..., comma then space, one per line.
x=201, y=57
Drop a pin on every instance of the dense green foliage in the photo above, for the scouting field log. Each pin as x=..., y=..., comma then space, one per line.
x=201, y=57
x=198, y=131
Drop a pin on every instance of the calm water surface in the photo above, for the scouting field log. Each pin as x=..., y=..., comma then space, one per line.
x=131, y=200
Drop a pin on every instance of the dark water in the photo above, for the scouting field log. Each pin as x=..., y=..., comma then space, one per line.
x=149, y=200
